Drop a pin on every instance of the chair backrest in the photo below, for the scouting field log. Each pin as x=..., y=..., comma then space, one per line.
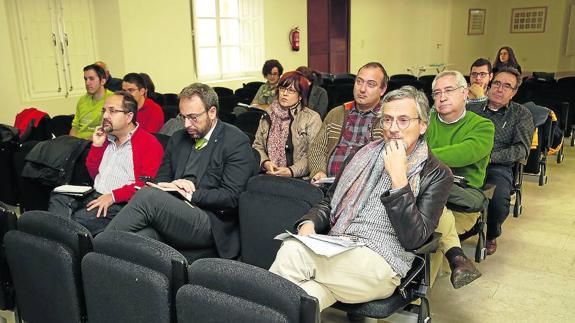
x=131, y=278
x=269, y=206
x=403, y=77
x=44, y=257
x=7, y=222
x=227, y=105
x=223, y=91
x=249, y=122
x=61, y=124
x=222, y=290
x=171, y=99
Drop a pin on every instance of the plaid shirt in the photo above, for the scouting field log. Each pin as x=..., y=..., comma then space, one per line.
x=355, y=133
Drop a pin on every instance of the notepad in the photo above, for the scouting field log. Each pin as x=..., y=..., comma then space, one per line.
x=74, y=190
x=325, y=180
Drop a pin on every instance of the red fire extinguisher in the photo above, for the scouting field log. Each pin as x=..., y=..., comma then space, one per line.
x=294, y=39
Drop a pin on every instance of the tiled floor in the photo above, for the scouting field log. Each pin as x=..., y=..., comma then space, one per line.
x=531, y=278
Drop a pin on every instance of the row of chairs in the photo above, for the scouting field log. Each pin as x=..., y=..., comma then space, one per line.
x=124, y=277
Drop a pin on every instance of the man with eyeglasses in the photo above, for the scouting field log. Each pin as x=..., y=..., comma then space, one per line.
x=150, y=114
x=88, y=116
x=388, y=196
x=120, y=154
x=208, y=163
x=348, y=127
x=479, y=77
x=463, y=141
x=513, y=133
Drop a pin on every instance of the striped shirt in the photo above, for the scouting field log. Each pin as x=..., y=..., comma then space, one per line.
x=355, y=133
x=117, y=166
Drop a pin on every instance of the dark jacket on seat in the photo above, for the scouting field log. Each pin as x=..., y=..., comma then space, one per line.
x=413, y=218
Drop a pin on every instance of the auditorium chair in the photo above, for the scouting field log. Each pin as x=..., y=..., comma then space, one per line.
x=44, y=256
x=222, y=290
x=132, y=278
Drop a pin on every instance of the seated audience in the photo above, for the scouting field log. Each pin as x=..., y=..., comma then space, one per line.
x=317, y=99
x=286, y=130
x=88, y=109
x=121, y=152
x=352, y=125
x=150, y=114
x=513, y=132
x=463, y=141
x=209, y=164
x=479, y=76
x=272, y=71
x=389, y=196
x=505, y=58
x=113, y=84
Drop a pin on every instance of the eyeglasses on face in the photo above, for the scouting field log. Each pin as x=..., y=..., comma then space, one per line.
x=287, y=90
x=479, y=75
x=402, y=122
x=113, y=111
x=193, y=117
x=504, y=86
x=447, y=92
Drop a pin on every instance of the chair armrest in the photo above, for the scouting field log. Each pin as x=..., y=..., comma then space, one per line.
x=430, y=246
x=426, y=249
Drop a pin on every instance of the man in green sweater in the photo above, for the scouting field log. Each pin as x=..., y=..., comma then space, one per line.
x=463, y=141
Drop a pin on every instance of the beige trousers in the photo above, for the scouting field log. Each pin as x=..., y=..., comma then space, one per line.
x=355, y=276
x=449, y=227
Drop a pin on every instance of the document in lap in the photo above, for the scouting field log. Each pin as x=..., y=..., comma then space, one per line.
x=174, y=191
x=74, y=190
x=323, y=245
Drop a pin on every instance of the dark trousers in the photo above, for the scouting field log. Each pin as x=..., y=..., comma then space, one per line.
x=75, y=208
x=180, y=225
x=502, y=177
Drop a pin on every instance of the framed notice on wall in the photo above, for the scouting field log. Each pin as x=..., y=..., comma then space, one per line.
x=528, y=20
x=476, y=22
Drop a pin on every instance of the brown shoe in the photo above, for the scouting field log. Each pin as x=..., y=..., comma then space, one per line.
x=463, y=272
x=490, y=246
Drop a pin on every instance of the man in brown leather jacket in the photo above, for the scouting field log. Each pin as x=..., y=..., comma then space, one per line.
x=388, y=196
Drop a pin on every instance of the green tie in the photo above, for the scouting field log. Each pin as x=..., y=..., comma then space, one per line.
x=200, y=143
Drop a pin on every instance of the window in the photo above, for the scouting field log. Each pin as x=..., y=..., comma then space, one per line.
x=228, y=38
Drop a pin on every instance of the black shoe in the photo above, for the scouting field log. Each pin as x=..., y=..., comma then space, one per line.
x=463, y=271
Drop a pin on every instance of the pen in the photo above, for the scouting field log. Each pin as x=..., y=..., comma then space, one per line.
x=504, y=124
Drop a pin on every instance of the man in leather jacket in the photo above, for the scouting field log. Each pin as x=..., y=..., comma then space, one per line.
x=388, y=196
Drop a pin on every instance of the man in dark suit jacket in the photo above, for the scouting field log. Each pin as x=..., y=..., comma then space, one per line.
x=208, y=163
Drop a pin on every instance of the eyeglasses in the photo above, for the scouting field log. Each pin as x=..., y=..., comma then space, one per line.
x=274, y=74
x=112, y=110
x=287, y=90
x=370, y=84
x=504, y=86
x=447, y=92
x=479, y=75
x=402, y=122
x=190, y=117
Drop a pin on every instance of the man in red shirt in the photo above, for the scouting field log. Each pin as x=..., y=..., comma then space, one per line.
x=150, y=114
x=121, y=153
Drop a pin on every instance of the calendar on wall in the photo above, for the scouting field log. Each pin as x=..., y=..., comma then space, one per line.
x=528, y=20
x=476, y=22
